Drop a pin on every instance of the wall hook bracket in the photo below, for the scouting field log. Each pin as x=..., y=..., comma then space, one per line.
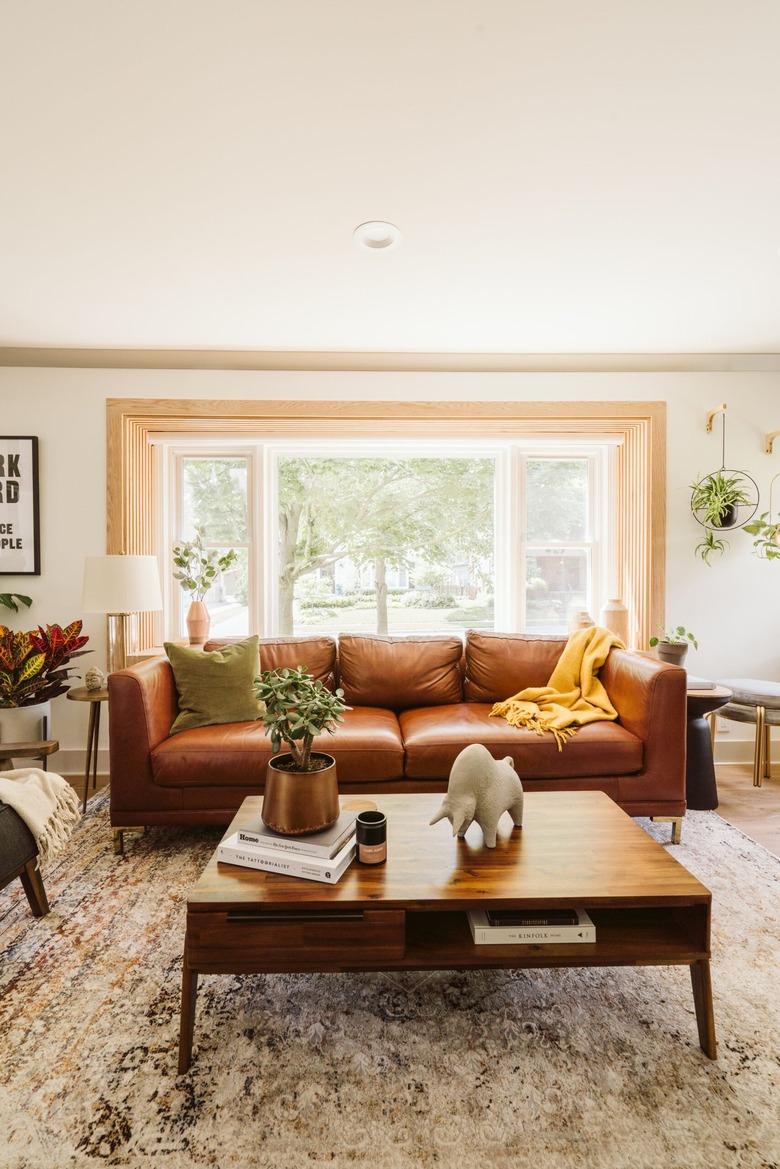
x=770, y=438
x=712, y=413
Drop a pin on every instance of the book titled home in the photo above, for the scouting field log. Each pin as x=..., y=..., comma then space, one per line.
x=321, y=844
x=485, y=934
x=311, y=868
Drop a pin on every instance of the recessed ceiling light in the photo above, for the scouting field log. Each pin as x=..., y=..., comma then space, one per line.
x=376, y=235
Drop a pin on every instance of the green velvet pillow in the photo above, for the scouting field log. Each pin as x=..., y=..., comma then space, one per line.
x=215, y=687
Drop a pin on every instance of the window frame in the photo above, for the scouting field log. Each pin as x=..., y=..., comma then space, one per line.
x=637, y=428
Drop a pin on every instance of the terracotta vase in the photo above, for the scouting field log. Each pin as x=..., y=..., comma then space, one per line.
x=198, y=623
x=297, y=802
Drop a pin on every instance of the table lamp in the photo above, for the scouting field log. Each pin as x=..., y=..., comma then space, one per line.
x=122, y=587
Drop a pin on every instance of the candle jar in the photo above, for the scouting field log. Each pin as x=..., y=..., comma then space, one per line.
x=371, y=834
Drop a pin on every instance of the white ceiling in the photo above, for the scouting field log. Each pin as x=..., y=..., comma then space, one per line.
x=569, y=176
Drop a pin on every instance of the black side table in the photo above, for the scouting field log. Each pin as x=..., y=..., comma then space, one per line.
x=701, y=790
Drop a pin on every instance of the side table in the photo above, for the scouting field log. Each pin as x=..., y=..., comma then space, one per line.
x=701, y=790
x=94, y=698
x=38, y=750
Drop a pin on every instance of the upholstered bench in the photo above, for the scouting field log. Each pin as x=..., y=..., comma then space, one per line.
x=754, y=701
x=19, y=858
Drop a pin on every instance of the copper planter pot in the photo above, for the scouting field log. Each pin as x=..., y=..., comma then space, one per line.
x=297, y=802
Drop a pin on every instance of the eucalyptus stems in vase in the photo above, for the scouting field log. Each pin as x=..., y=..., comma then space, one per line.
x=198, y=570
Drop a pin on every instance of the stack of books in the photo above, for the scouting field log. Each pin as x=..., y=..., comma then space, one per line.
x=320, y=856
x=530, y=926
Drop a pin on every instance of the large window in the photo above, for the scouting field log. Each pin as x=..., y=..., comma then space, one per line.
x=379, y=537
x=578, y=508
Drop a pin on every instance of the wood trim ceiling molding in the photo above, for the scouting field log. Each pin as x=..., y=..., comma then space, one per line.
x=640, y=428
x=52, y=357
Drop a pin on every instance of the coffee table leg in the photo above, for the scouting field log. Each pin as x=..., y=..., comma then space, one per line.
x=189, y=993
x=705, y=1016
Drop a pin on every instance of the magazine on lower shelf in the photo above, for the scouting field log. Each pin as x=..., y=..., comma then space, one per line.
x=311, y=868
x=485, y=934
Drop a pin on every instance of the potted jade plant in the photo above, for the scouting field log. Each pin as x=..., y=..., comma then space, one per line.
x=301, y=790
x=673, y=644
x=198, y=569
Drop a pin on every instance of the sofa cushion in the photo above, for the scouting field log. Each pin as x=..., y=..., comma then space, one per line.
x=434, y=737
x=367, y=747
x=498, y=665
x=400, y=672
x=316, y=654
x=216, y=686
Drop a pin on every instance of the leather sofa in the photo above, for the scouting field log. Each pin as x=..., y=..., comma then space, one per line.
x=416, y=702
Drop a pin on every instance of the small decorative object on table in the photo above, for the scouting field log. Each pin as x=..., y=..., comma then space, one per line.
x=481, y=788
x=301, y=792
x=371, y=833
x=94, y=679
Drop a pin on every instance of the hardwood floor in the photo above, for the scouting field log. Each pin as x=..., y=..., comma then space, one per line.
x=754, y=810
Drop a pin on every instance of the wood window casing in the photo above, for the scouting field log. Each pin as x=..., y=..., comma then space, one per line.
x=638, y=427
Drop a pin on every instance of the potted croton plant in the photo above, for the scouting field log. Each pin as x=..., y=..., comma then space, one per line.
x=301, y=790
x=34, y=669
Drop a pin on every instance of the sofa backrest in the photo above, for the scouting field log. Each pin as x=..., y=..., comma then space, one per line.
x=499, y=664
x=399, y=673
x=317, y=654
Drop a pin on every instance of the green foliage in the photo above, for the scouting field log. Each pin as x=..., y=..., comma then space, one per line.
x=215, y=497
x=382, y=512
x=710, y=545
x=14, y=600
x=297, y=707
x=715, y=497
x=34, y=665
x=423, y=600
x=199, y=567
x=767, y=542
x=675, y=635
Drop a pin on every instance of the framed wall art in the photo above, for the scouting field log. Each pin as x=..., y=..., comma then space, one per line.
x=20, y=550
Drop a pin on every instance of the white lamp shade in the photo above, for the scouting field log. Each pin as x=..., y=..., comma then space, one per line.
x=121, y=584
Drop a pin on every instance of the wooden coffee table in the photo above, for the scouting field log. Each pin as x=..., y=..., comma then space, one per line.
x=574, y=849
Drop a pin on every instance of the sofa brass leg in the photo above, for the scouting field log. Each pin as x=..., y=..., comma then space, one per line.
x=676, y=823
x=119, y=836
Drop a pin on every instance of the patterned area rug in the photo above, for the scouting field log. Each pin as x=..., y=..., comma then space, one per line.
x=547, y=1069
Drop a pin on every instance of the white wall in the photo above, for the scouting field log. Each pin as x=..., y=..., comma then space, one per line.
x=732, y=607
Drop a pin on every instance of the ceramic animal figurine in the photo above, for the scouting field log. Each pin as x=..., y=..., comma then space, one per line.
x=481, y=788
x=94, y=679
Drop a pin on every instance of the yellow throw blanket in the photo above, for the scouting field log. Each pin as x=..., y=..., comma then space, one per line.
x=573, y=696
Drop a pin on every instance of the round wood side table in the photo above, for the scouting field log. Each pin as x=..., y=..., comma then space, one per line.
x=94, y=698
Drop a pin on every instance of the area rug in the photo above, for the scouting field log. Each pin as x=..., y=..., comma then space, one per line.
x=598, y=1068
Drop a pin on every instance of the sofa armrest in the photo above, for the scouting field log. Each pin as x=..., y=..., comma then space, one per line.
x=650, y=699
x=142, y=705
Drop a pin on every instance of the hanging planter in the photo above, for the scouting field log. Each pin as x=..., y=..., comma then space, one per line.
x=767, y=532
x=724, y=499
x=721, y=501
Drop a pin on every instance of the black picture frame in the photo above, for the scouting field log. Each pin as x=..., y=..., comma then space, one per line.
x=20, y=546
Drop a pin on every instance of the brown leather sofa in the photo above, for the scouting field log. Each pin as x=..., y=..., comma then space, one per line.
x=416, y=702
